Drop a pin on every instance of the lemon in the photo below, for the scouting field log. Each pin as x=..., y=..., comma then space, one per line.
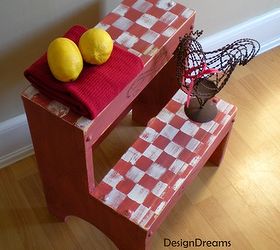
x=96, y=46
x=64, y=59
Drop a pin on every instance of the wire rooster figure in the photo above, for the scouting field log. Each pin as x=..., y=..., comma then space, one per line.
x=203, y=74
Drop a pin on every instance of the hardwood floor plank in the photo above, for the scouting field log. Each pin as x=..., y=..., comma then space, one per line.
x=222, y=224
x=57, y=232
x=253, y=226
x=23, y=221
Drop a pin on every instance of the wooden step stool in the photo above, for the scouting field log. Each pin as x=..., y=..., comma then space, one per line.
x=136, y=195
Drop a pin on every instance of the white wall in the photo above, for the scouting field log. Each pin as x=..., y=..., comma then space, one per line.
x=216, y=15
x=27, y=26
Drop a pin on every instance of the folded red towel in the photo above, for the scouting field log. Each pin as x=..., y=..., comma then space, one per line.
x=96, y=86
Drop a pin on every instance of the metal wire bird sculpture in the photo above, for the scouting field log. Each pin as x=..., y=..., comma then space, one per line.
x=203, y=74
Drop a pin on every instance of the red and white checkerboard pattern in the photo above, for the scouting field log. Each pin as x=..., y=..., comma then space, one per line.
x=56, y=108
x=151, y=171
x=141, y=27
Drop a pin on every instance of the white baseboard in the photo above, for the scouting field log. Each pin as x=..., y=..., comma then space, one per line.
x=15, y=141
x=264, y=28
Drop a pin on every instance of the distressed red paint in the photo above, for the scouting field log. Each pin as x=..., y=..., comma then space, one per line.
x=140, y=190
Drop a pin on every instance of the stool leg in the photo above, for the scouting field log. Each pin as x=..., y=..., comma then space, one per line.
x=218, y=155
x=155, y=96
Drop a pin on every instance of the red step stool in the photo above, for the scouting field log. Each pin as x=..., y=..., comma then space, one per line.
x=139, y=191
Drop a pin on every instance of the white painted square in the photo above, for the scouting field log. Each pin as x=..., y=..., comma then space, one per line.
x=150, y=36
x=152, y=152
x=123, y=23
x=173, y=149
x=180, y=97
x=211, y=140
x=156, y=171
x=146, y=219
x=178, y=183
x=83, y=122
x=160, y=208
x=169, y=31
x=131, y=155
x=142, y=6
x=102, y=26
x=222, y=105
x=169, y=132
x=207, y=126
x=126, y=39
x=165, y=115
x=114, y=198
x=58, y=108
x=30, y=92
x=187, y=13
x=113, y=178
x=178, y=166
x=135, y=174
x=195, y=161
x=189, y=128
x=151, y=50
x=213, y=129
x=135, y=52
x=138, y=215
x=138, y=193
x=149, y=135
x=181, y=113
x=165, y=4
x=226, y=119
x=168, y=17
x=193, y=144
x=121, y=9
x=228, y=109
x=147, y=20
x=159, y=189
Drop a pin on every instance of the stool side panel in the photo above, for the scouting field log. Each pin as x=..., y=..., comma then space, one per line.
x=61, y=154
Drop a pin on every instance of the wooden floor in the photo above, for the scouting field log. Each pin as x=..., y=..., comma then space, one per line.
x=237, y=202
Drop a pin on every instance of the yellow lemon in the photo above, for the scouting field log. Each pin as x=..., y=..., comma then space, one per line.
x=96, y=46
x=64, y=59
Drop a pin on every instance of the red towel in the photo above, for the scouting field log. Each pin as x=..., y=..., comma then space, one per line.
x=96, y=86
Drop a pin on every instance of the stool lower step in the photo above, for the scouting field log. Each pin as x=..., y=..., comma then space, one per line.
x=144, y=184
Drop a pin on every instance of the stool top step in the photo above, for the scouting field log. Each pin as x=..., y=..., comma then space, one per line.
x=144, y=28
x=148, y=175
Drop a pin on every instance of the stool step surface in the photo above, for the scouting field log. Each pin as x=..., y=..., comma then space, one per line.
x=146, y=29
x=143, y=27
x=146, y=178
